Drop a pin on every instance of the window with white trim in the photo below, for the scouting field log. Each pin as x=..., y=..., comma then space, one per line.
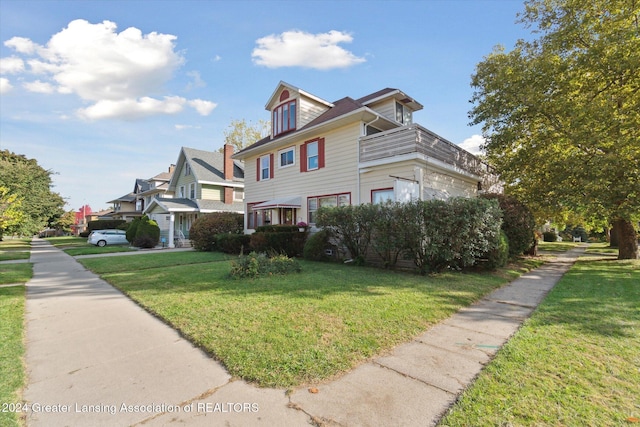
x=403, y=114
x=286, y=157
x=312, y=156
x=192, y=190
x=265, y=168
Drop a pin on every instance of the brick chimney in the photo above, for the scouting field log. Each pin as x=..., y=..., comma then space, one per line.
x=228, y=162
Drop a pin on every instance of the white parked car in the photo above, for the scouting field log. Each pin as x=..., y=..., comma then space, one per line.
x=107, y=237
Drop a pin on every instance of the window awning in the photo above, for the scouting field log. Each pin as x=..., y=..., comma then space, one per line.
x=283, y=202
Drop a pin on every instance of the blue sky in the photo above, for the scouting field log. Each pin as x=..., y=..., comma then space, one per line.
x=104, y=92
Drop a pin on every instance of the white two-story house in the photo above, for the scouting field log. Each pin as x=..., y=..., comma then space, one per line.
x=350, y=151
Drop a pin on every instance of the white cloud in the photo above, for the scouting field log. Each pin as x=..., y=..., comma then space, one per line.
x=132, y=109
x=203, y=108
x=116, y=72
x=473, y=144
x=11, y=65
x=39, y=87
x=22, y=45
x=301, y=49
x=5, y=85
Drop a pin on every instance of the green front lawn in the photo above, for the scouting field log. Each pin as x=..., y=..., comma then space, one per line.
x=11, y=351
x=573, y=363
x=15, y=273
x=283, y=331
x=14, y=249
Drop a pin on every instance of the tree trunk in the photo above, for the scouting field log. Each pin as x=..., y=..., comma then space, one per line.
x=627, y=239
x=613, y=236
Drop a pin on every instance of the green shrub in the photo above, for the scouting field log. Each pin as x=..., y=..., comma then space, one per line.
x=147, y=233
x=255, y=265
x=132, y=229
x=234, y=244
x=549, y=236
x=316, y=245
x=352, y=225
x=284, y=239
x=517, y=222
x=499, y=255
x=204, y=230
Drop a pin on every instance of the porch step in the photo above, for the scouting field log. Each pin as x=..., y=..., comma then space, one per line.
x=185, y=243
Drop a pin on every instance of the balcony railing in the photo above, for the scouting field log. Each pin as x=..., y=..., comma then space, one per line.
x=416, y=139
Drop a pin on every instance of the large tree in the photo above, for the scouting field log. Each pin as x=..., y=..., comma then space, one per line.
x=561, y=112
x=241, y=134
x=41, y=207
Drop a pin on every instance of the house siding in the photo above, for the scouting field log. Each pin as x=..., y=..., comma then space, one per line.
x=210, y=192
x=308, y=110
x=338, y=176
x=386, y=108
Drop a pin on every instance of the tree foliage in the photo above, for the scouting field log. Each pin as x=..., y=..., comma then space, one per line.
x=241, y=134
x=11, y=213
x=30, y=183
x=561, y=113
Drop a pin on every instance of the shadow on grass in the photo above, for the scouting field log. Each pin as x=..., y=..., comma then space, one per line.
x=598, y=297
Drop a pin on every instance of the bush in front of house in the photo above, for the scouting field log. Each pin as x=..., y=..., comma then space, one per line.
x=498, y=255
x=550, y=236
x=316, y=246
x=434, y=234
x=518, y=223
x=281, y=239
x=206, y=228
x=234, y=244
x=147, y=233
x=259, y=264
x=352, y=226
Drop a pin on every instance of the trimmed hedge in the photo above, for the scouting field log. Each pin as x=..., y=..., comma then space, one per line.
x=282, y=239
x=143, y=232
x=234, y=244
x=107, y=224
x=434, y=234
x=254, y=265
x=206, y=229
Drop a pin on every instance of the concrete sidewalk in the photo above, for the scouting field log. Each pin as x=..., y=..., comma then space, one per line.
x=96, y=358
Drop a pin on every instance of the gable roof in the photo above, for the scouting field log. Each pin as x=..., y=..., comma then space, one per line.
x=206, y=166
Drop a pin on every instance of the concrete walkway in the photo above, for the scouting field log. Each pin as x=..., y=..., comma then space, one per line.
x=96, y=358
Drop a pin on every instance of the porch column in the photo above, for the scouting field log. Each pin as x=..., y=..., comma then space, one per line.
x=172, y=219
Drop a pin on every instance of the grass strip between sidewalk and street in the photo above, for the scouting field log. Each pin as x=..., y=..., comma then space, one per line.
x=284, y=331
x=573, y=363
x=12, y=301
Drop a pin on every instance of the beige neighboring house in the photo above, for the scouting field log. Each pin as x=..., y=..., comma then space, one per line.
x=350, y=151
x=132, y=205
x=202, y=182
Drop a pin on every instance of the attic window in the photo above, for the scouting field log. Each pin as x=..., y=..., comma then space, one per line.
x=284, y=95
x=403, y=114
x=284, y=118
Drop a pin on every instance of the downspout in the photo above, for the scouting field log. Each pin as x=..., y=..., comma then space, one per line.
x=365, y=134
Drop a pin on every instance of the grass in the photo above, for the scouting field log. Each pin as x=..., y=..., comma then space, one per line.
x=556, y=246
x=15, y=273
x=284, y=331
x=75, y=246
x=573, y=363
x=14, y=249
x=11, y=350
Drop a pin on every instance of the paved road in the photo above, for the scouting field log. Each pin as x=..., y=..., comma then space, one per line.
x=96, y=358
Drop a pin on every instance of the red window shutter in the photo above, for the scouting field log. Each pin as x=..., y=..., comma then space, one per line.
x=258, y=169
x=303, y=158
x=271, y=166
x=320, y=153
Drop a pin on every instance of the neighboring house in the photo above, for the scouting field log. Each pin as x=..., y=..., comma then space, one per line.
x=148, y=189
x=132, y=205
x=350, y=151
x=202, y=182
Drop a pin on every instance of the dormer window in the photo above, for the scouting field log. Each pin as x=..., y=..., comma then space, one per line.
x=403, y=114
x=284, y=118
